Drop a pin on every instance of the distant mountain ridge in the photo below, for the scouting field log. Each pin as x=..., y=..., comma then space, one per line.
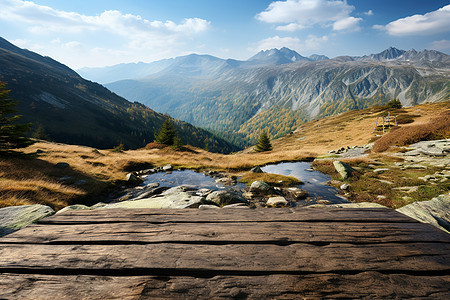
x=77, y=111
x=199, y=65
x=239, y=98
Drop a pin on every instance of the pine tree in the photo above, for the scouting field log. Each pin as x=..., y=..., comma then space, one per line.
x=166, y=134
x=263, y=143
x=11, y=134
x=177, y=144
x=40, y=133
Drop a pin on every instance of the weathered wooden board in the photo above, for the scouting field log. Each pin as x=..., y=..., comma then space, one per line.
x=236, y=253
x=234, y=258
x=372, y=285
x=379, y=215
x=280, y=233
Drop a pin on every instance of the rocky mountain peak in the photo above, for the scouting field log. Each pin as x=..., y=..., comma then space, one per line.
x=278, y=56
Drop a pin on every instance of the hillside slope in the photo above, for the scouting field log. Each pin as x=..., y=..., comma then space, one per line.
x=239, y=99
x=77, y=111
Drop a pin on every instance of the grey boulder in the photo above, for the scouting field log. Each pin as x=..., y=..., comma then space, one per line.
x=15, y=217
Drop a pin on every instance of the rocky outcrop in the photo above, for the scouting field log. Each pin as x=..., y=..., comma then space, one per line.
x=174, y=199
x=435, y=211
x=15, y=217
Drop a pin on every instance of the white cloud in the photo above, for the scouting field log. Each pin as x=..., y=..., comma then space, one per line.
x=83, y=40
x=369, y=13
x=350, y=23
x=430, y=23
x=300, y=14
x=314, y=43
x=44, y=19
x=311, y=43
x=278, y=42
x=291, y=27
x=442, y=45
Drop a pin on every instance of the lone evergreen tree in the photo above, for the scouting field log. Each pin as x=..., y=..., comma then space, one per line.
x=263, y=143
x=166, y=134
x=11, y=135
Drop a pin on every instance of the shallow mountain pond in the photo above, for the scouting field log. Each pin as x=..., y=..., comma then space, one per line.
x=187, y=178
x=314, y=181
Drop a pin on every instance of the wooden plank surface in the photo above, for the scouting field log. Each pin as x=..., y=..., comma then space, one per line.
x=157, y=216
x=280, y=233
x=366, y=285
x=236, y=253
x=234, y=258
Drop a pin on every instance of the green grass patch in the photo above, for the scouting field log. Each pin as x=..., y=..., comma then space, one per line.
x=271, y=179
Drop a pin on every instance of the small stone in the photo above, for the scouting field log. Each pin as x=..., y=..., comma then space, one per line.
x=260, y=187
x=133, y=179
x=62, y=165
x=343, y=169
x=208, y=206
x=276, y=202
x=256, y=170
x=167, y=167
x=227, y=181
x=344, y=186
x=385, y=181
x=226, y=197
x=297, y=193
x=236, y=205
x=381, y=197
x=381, y=170
x=310, y=170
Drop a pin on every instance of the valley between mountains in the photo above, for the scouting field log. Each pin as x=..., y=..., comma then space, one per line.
x=93, y=143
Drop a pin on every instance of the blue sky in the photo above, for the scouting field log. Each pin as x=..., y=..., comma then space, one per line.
x=105, y=32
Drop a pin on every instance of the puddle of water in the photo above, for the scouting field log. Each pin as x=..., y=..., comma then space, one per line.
x=187, y=178
x=314, y=182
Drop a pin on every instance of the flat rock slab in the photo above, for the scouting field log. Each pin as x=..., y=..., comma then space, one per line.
x=15, y=217
x=225, y=254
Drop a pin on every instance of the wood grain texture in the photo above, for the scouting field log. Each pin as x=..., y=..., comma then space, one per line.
x=224, y=254
x=372, y=285
x=232, y=215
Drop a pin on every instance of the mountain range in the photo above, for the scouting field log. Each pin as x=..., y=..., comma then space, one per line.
x=77, y=111
x=278, y=89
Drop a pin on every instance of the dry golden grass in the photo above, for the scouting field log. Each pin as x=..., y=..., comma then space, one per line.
x=350, y=128
x=29, y=178
x=436, y=128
